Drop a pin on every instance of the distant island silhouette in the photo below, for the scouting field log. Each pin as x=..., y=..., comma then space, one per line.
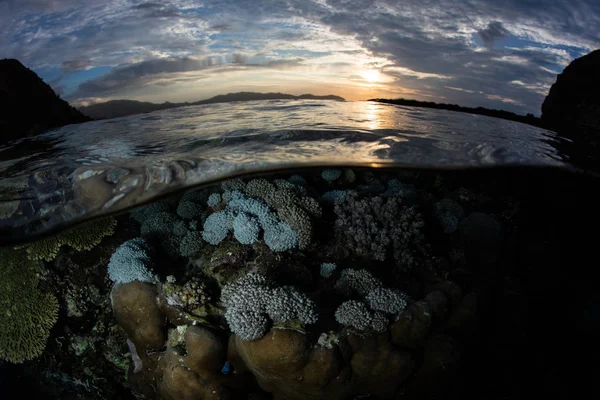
x=526, y=119
x=122, y=108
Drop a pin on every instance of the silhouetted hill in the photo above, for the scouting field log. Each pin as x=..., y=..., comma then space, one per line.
x=573, y=105
x=252, y=96
x=527, y=119
x=572, y=108
x=121, y=108
x=28, y=105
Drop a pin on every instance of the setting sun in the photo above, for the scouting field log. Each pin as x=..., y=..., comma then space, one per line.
x=371, y=75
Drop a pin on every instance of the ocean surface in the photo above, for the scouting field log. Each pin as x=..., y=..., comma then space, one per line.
x=83, y=171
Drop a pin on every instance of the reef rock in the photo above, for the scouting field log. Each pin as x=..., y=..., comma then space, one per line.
x=136, y=311
x=573, y=105
x=29, y=106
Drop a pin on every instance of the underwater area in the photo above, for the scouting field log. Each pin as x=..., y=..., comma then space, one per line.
x=334, y=282
x=299, y=199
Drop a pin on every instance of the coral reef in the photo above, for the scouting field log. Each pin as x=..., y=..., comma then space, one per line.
x=331, y=175
x=136, y=310
x=81, y=237
x=253, y=299
x=140, y=214
x=355, y=314
x=214, y=200
x=370, y=227
x=27, y=313
x=288, y=300
x=131, y=262
x=386, y=300
x=278, y=235
x=448, y=213
x=376, y=301
x=327, y=269
x=286, y=364
x=334, y=196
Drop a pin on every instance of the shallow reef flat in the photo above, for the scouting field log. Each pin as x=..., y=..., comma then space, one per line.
x=323, y=283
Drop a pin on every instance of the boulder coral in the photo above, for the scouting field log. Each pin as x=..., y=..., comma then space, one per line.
x=189, y=367
x=197, y=374
x=137, y=312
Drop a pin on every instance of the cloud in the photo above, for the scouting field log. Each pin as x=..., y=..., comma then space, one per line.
x=503, y=99
x=494, y=31
x=237, y=58
x=429, y=48
x=170, y=71
x=75, y=65
x=137, y=74
x=459, y=89
x=393, y=70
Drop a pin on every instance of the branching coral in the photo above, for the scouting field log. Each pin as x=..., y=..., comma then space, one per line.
x=354, y=313
x=292, y=204
x=141, y=213
x=160, y=224
x=190, y=244
x=214, y=200
x=242, y=214
x=216, y=227
x=178, y=233
x=356, y=281
x=81, y=237
x=26, y=313
x=327, y=269
x=386, y=300
x=130, y=262
x=253, y=300
x=280, y=208
x=370, y=226
x=246, y=228
x=331, y=175
x=188, y=209
x=378, y=301
x=334, y=196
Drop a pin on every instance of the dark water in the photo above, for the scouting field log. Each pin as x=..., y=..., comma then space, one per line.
x=463, y=250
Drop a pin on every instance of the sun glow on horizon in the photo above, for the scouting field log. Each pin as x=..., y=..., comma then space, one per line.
x=371, y=75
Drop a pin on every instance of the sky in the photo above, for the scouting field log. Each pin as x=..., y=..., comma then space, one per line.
x=496, y=54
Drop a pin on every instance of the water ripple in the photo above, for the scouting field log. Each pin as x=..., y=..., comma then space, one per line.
x=87, y=170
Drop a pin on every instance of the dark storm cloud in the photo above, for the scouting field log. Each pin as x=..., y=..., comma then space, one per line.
x=494, y=31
